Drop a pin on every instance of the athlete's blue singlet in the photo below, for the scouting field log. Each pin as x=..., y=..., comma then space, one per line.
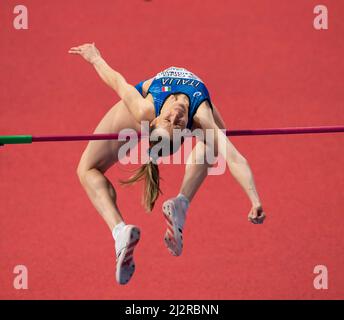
x=177, y=80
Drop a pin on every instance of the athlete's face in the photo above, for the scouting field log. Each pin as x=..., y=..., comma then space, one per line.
x=175, y=117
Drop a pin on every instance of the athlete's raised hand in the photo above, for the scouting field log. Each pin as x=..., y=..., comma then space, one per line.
x=88, y=51
x=256, y=215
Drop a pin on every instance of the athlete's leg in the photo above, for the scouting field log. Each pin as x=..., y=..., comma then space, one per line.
x=97, y=158
x=196, y=168
x=175, y=209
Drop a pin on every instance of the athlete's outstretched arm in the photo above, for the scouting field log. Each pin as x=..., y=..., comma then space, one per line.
x=237, y=163
x=136, y=104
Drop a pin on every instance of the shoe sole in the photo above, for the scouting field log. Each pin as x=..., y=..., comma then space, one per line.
x=125, y=266
x=173, y=236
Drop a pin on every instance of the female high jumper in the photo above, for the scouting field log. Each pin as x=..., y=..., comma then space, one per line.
x=174, y=99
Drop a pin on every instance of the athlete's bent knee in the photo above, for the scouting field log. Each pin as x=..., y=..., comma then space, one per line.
x=81, y=172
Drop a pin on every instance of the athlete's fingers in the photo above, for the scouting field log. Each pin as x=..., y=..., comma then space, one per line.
x=251, y=219
x=254, y=213
x=75, y=48
x=256, y=217
x=74, y=52
x=260, y=221
x=254, y=221
x=261, y=218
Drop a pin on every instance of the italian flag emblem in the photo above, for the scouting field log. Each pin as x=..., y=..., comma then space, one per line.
x=166, y=89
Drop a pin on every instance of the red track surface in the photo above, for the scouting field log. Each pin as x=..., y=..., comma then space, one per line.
x=265, y=66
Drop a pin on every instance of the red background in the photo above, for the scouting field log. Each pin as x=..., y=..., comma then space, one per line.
x=265, y=66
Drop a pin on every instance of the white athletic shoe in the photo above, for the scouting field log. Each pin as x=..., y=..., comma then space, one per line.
x=174, y=213
x=125, y=266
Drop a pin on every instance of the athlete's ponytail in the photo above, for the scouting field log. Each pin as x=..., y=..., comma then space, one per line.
x=149, y=172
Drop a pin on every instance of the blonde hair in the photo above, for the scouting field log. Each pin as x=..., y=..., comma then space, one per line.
x=149, y=172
